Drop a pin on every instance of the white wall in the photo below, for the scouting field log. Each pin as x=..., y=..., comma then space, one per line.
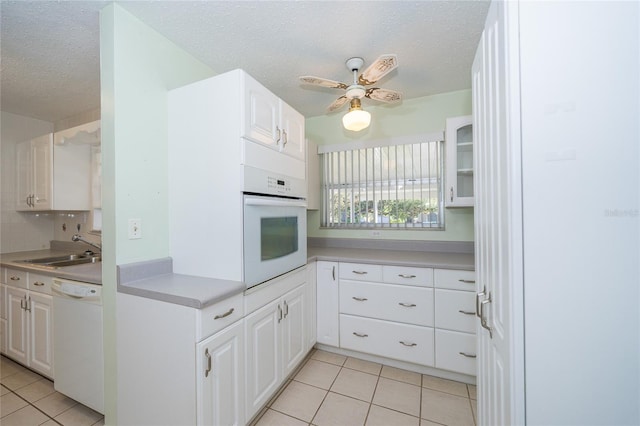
x=138, y=67
x=20, y=231
x=580, y=75
x=413, y=117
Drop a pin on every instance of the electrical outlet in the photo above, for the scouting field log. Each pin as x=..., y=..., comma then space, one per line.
x=135, y=229
x=375, y=233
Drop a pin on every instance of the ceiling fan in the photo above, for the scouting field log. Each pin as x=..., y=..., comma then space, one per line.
x=357, y=119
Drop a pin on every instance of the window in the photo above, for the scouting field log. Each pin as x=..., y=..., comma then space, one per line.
x=388, y=184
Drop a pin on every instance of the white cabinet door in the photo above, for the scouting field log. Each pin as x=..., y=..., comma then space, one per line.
x=327, y=302
x=220, y=366
x=293, y=329
x=292, y=124
x=18, y=324
x=42, y=162
x=23, y=176
x=459, y=173
x=3, y=336
x=41, y=333
x=310, y=308
x=261, y=114
x=262, y=356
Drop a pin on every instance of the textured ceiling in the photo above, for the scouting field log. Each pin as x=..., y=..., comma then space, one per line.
x=50, y=49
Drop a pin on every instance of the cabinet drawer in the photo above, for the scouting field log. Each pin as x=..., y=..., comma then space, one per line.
x=40, y=283
x=360, y=272
x=413, y=305
x=455, y=310
x=216, y=317
x=455, y=279
x=456, y=351
x=16, y=278
x=404, y=342
x=422, y=277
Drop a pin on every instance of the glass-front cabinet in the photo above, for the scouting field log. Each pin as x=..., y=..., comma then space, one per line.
x=459, y=162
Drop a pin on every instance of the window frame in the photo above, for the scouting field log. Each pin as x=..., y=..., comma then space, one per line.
x=328, y=188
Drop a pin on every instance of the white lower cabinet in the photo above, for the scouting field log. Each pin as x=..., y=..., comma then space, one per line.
x=327, y=304
x=455, y=321
x=423, y=316
x=276, y=343
x=220, y=378
x=29, y=322
x=404, y=342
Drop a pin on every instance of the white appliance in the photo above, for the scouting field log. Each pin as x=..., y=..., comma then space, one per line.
x=77, y=347
x=220, y=152
x=275, y=237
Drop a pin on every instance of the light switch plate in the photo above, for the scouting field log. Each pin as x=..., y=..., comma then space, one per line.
x=135, y=229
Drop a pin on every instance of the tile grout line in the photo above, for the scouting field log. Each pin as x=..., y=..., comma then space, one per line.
x=29, y=403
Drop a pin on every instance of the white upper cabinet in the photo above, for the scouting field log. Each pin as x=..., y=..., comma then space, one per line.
x=34, y=180
x=270, y=121
x=459, y=154
x=54, y=170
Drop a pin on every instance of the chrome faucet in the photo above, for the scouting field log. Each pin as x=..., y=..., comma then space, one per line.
x=78, y=237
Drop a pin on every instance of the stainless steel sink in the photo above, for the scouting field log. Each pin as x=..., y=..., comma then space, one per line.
x=60, y=261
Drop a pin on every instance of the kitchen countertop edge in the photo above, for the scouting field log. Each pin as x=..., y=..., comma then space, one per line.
x=154, y=279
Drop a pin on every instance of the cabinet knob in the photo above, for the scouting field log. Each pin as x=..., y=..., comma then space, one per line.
x=14, y=278
x=359, y=272
x=360, y=334
x=38, y=283
x=408, y=344
x=406, y=276
x=407, y=305
x=360, y=299
x=467, y=355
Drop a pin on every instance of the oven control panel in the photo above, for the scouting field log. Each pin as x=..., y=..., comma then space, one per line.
x=279, y=186
x=260, y=181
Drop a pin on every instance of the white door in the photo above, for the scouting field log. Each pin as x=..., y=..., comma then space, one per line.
x=18, y=319
x=42, y=163
x=261, y=114
x=293, y=325
x=41, y=333
x=262, y=355
x=327, y=300
x=221, y=378
x=498, y=222
x=293, y=141
x=23, y=176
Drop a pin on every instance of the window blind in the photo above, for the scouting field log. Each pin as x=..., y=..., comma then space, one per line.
x=395, y=185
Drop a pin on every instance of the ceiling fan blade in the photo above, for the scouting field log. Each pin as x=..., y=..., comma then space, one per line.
x=337, y=104
x=318, y=81
x=383, y=95
x=381, y=67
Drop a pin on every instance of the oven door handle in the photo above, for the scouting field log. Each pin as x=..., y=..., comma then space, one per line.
x=274, y=202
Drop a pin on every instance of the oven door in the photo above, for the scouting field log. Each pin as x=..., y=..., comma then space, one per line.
x=275, y=237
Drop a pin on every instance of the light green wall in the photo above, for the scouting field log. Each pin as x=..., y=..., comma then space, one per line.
x=138, y=67
x=413, y=117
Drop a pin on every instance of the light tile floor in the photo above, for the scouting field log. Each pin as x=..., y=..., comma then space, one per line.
x=331, y=389
x=26, y=398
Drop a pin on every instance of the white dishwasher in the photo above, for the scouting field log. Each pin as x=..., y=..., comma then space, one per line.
x=78, y=357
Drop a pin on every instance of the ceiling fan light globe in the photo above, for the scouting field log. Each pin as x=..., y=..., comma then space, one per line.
x=356, y=120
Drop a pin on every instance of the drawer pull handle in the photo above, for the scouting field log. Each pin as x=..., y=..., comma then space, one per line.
x=406, y=276
x=14, y=278
x=360, y=272
x=466, y=312
x=408, y=344
x=38, y=283
x=360, y=335
x=226, y=314
x=208, y=355
x=279, y=314
x=360, y=299
x=467, y=355
x=468, y=281
x=407, y=305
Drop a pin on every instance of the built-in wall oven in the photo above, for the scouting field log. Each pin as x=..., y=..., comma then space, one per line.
x=275, y=236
